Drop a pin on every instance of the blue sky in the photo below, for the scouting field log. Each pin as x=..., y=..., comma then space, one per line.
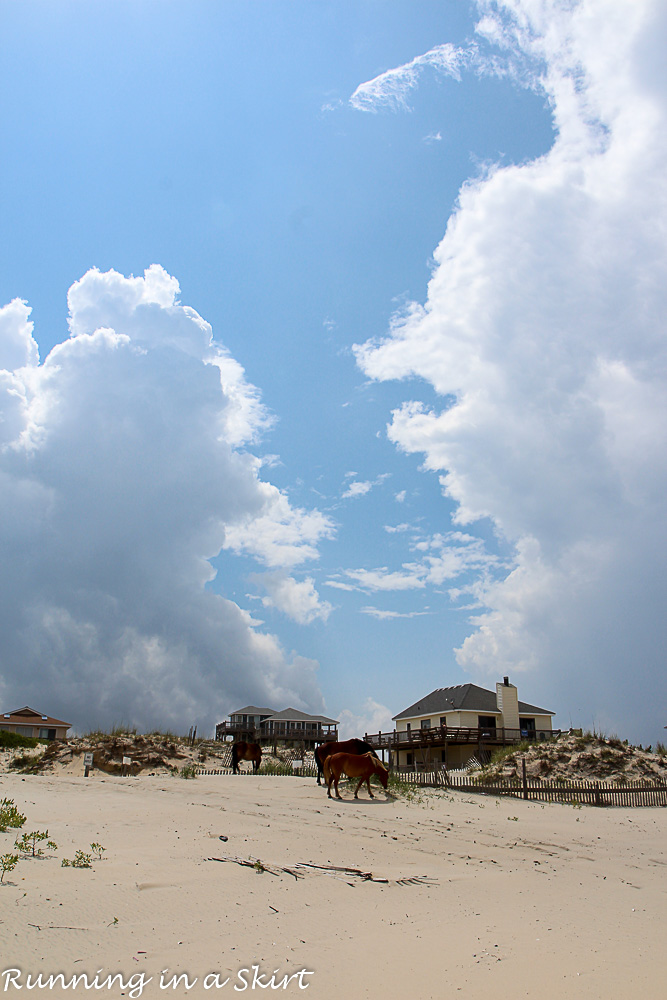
x=427, y=238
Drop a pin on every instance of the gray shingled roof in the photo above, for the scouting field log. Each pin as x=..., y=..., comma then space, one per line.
x=253, y=710
x=294, y=715
x=464, y=698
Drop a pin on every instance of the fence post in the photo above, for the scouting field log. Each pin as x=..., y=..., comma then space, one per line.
x=524, y=781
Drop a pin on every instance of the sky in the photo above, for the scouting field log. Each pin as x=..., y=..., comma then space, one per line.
x=332, y=358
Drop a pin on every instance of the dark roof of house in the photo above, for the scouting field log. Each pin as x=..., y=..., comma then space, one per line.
x=29, y=715
x=294, y=715
x=464, y=698
x=253, y=710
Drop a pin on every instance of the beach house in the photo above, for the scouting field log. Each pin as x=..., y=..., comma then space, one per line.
x=27, y=722
x=453, y=724
x=266, y=726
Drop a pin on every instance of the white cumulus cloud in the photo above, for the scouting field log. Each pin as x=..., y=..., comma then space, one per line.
x=122, y=475
x=298, y=599
x=373, y=718
x=544, y=334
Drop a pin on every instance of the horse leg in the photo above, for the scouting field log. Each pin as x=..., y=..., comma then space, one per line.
x=368, y=782
x=336, y=780
x=361, y=781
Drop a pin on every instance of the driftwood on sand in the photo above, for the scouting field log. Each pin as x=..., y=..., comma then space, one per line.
x=305, y=868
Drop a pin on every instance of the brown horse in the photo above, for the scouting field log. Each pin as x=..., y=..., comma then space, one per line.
x=246, y=751
x=347, y=746
x=362, y=766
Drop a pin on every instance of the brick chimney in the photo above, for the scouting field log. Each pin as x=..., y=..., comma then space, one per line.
x=507, y=699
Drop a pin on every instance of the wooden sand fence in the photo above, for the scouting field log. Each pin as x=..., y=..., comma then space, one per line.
x=279, y=771
x=576, y=792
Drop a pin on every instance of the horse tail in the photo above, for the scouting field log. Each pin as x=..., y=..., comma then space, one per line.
x=318, y=762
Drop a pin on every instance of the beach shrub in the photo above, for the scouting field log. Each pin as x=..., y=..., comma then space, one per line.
x=8, y=863
x=98, y=851
x=27, y=843
x=10, y=740
x=274, y=767
x=398, y=787
x=80, y=860
x=29, y=763
x=503, y=753
x=10, y=816
x=188, y=771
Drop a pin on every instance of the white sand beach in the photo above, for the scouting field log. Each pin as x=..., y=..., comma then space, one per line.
x=518, y=899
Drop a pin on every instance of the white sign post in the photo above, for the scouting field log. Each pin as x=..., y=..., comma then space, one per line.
x=127, y=761
x=87, y=764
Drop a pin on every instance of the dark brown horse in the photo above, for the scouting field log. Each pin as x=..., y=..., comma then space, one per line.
x=347, y=746
x=354, y=765
x=246, y=751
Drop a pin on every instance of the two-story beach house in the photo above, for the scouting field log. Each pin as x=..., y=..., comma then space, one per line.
x=289, y=727
x=452, y=724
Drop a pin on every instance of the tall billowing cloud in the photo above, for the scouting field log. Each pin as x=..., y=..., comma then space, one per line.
x=544, y=334
x=124, y=470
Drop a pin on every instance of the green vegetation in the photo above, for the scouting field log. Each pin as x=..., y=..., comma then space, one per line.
x=10, y=816
x=188, y=771
x=272, y=767
x=8, y=863
x=28, y=763
x=80, y=860
x=503, y=753
x=10, y=740
x=27, y=843
x=96, y=735
x=399, y=787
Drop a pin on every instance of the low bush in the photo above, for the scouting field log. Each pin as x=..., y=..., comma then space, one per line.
x=10, y=740
x=26, y=762
x=10, y=817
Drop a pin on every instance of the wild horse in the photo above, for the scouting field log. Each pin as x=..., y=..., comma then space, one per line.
x=347, y=746
x=246, y=751
x=362, y=766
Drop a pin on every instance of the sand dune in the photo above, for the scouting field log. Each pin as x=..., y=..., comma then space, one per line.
x=519, y=899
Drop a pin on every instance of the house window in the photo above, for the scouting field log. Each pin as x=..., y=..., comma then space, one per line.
x=23, y=730
x=408, y=759
x=426, y=724
x=487, y=723
x=443, y=720
x=47, y=734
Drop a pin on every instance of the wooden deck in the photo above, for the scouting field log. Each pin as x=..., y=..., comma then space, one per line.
x=441, y=736
x=280, y=733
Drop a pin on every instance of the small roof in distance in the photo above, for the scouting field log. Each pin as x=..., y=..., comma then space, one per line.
x=294, y=715
x=29, y=715
x=253, y=710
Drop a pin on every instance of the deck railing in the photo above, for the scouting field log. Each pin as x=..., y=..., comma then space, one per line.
x=456, y=734
x=280, y=731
